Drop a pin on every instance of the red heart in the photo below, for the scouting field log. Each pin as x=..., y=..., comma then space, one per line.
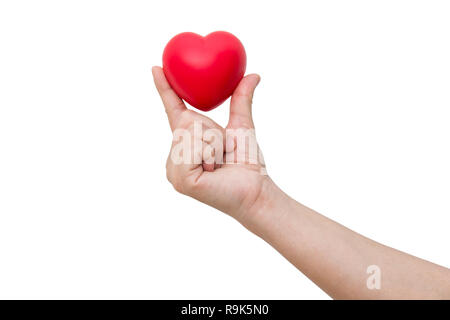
x=204, y=71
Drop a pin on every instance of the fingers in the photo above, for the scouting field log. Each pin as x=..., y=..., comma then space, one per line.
x=199, y=145
x=172, y=103
x=241, y=103
x=210, y=126
x=213, y=149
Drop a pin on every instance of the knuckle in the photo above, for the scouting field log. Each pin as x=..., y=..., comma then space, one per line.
x=178, y=186
x=171, y=176
x=243, y=98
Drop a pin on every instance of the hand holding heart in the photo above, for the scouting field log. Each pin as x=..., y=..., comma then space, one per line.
x=232, y=188
x=205, y=74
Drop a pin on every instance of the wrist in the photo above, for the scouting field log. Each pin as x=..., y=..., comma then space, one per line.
x=268, y=210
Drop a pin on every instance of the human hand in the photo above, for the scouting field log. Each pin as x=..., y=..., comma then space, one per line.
x=221, y=167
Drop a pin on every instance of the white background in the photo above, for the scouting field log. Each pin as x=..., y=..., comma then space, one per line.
x=352, y=114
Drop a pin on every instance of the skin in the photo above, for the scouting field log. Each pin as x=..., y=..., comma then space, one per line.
x=331, y=255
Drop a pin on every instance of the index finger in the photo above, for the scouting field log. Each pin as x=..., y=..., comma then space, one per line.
x=172, y=103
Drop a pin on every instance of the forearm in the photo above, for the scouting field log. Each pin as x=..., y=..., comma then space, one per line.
x=336, y=258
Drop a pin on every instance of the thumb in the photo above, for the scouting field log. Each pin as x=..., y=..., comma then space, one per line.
x=241, y=103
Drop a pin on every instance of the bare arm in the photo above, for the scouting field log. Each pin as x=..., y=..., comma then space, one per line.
x=338, y=259
x=332, y=256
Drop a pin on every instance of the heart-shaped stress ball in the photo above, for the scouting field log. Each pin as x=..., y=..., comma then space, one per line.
x=204, y=71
